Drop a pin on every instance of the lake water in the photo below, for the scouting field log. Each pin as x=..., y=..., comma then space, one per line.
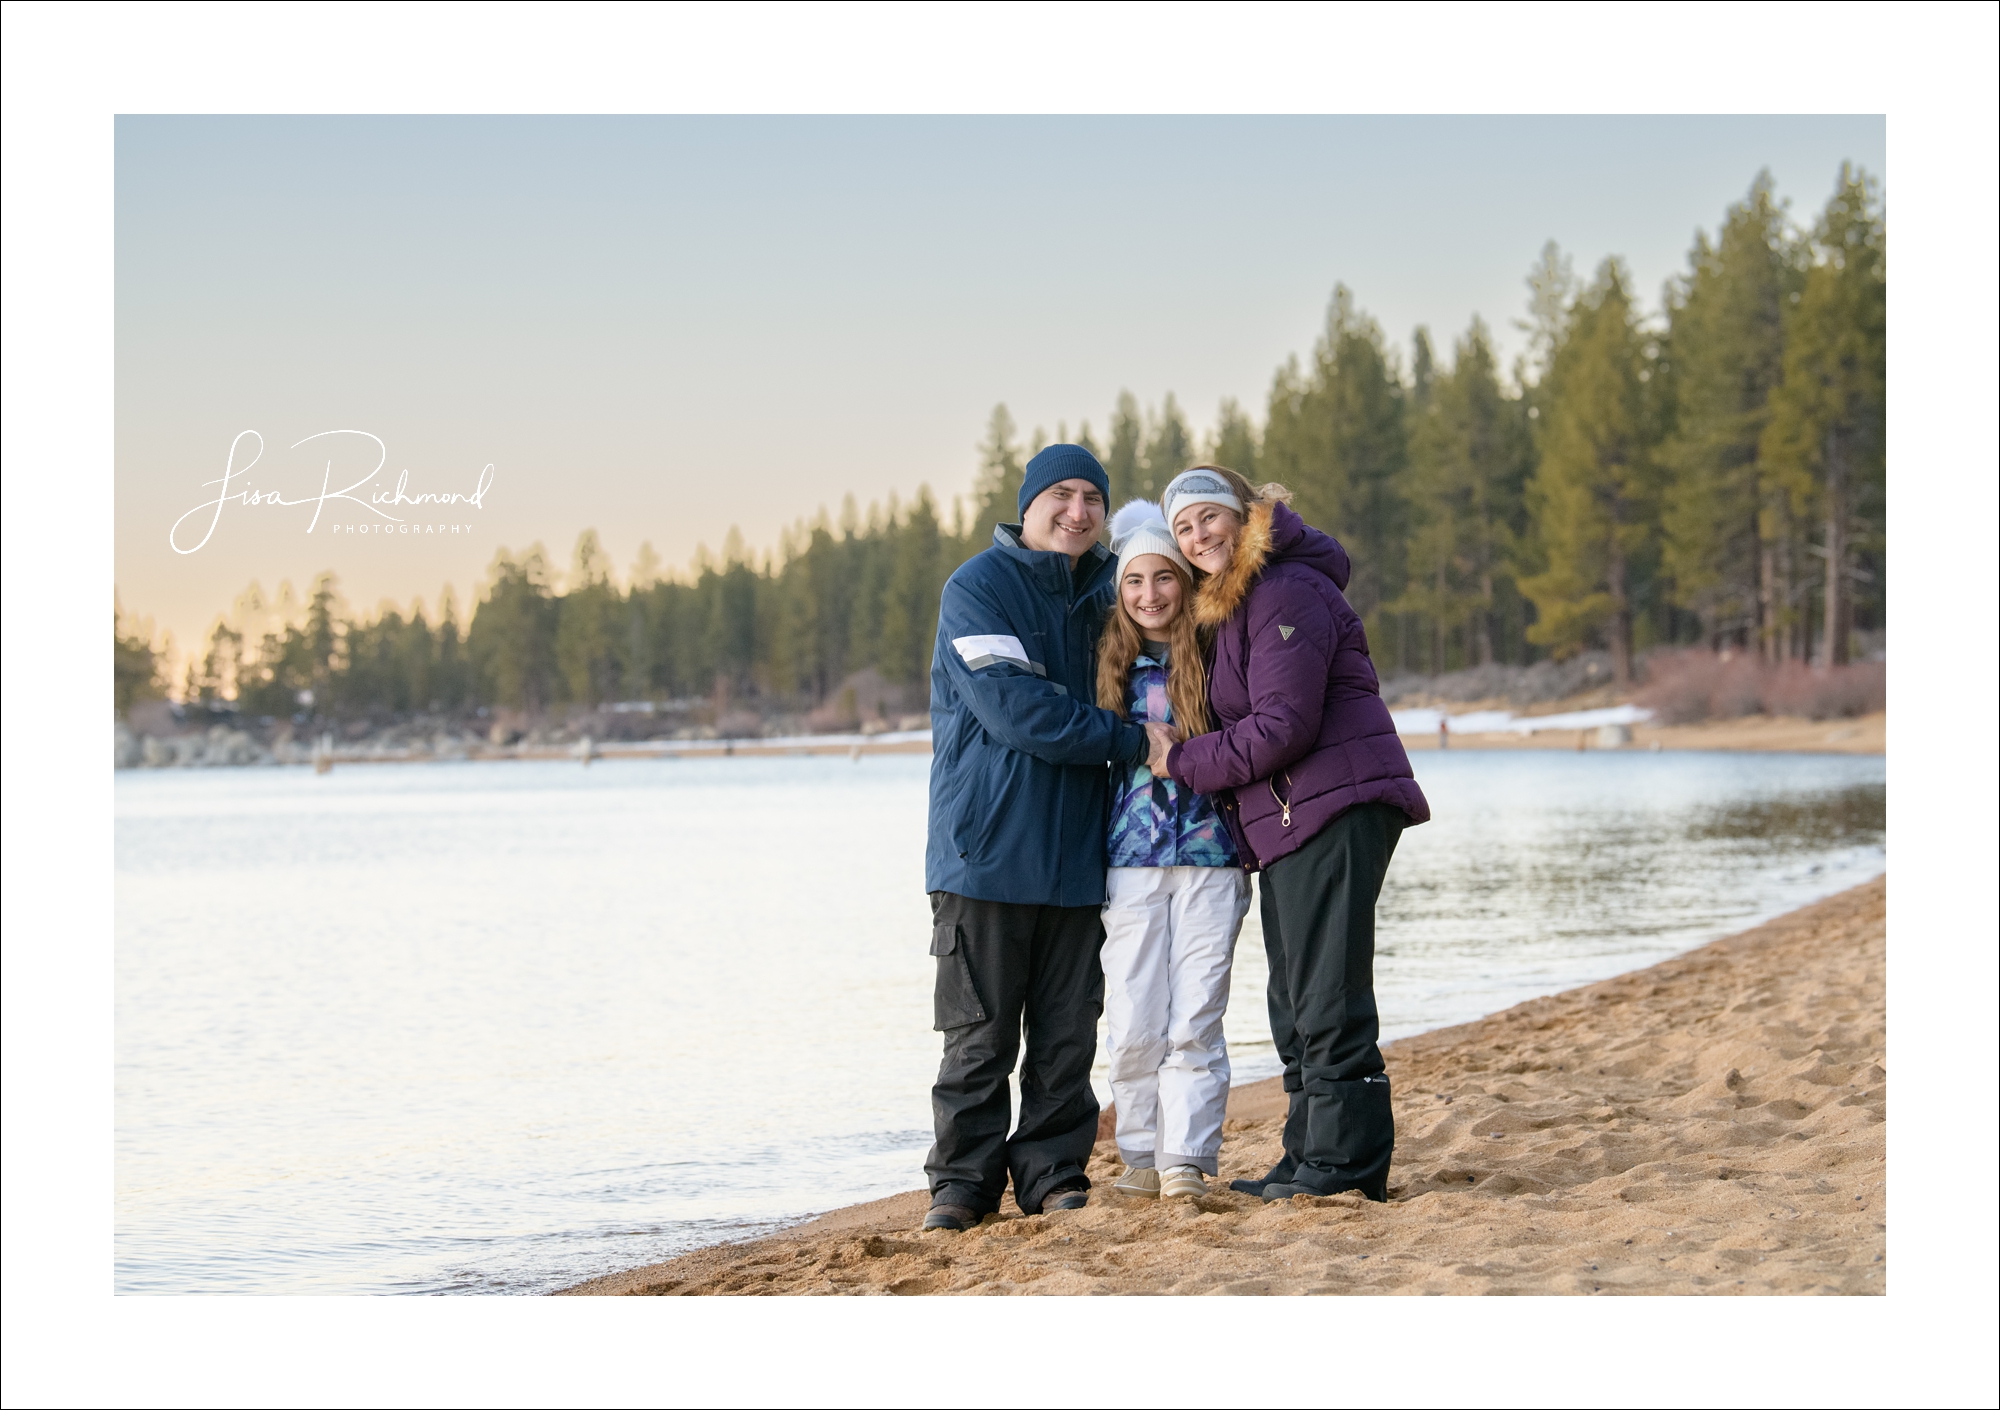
x=501, y=1027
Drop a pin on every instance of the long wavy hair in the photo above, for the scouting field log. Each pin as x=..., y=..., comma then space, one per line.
x=1187, y=667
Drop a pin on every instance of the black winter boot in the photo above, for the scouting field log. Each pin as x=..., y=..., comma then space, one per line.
x=1294, y=1138
x=1281, y=1173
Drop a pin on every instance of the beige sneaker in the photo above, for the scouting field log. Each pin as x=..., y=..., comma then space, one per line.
x=1182, y=1182
x=1141, y=1184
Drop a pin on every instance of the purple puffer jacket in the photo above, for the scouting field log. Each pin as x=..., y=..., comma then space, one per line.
x=1304, y=734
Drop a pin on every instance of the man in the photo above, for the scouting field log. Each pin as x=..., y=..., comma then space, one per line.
x=1015, y=865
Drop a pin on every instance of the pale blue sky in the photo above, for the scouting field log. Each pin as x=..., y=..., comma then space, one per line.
x=664, y=326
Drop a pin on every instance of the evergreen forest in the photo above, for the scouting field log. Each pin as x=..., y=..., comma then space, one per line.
x=1711, y=475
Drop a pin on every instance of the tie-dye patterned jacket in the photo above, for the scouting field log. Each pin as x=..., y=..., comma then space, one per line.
x=1156, y=822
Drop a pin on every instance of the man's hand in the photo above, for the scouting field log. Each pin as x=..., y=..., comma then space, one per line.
x=1159, y=740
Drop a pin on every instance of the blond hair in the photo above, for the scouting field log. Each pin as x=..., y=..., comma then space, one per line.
x=1187, y=670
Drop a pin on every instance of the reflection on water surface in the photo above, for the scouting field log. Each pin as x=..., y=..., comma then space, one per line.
x=1834, y=818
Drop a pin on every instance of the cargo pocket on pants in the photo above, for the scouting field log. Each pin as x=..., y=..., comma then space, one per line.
x=957, y=1002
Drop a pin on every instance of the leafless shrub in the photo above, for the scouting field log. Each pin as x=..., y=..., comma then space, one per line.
x=1859, y=689
x=1689, y=685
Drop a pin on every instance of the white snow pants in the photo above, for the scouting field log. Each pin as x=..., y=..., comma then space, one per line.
x=1169, y=939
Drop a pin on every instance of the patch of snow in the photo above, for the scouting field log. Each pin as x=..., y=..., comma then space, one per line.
x=1503, y=722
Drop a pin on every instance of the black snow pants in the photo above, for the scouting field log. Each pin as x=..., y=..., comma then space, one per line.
x=1318, y=910
x=1000, y=965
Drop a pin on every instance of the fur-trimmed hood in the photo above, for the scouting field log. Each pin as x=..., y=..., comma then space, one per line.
x=1305, y=736
x=1272, y=533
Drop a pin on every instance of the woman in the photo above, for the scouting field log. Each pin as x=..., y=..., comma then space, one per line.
x=1318, y=791
x=1175, y=896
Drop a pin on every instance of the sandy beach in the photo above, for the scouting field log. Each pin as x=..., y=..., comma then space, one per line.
x=1713, y=1124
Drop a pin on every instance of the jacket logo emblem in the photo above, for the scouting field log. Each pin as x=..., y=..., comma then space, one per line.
x=1286, y=632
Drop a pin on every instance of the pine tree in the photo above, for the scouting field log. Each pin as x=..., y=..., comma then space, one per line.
x=135, y=666
x=1730, y=542
x=216, y=680
x=324, y=639
x=1336, y=437
x=645, y=568
x=1234, y=440
x=910, y=603
x=1552, y=290
x=997, y=486
x=873, y=561
x=448, y=674
x=279, y=673
x=1825, y=439
x=1469, y=460
x=1169, y=449
x=1122, y=463
x=1439, y=492
x=829, y=586
x=418, y=659
x=374, y=681
x=1594, y=492
x=733, y=637
x=1423, y=369
x=587, y=638
x=1491, y=432
x=511, y=638
x=658, y=612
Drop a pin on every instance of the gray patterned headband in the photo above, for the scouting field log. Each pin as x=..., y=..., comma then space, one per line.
x=1198, y=487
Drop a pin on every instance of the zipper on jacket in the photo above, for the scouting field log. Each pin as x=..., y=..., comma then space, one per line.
x=1286, y=819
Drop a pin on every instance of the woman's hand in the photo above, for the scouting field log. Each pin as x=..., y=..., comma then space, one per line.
x=1160, y=739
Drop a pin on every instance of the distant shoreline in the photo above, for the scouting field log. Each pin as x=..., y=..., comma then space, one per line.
x=899, y=742
x=1867, y=734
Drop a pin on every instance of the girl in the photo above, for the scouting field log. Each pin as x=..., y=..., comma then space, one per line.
x=1174, y=896
x=1316, y=789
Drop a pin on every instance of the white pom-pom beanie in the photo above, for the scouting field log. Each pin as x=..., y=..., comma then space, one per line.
x=1140, y=528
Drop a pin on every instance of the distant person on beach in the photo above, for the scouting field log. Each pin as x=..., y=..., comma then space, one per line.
x=1015, y=861
x=1175, y=895
x=1317, y=791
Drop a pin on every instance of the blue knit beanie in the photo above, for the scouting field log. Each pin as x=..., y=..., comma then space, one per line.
x=1054, y=464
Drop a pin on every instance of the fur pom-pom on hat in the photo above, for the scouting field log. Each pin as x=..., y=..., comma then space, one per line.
x=1141, y=528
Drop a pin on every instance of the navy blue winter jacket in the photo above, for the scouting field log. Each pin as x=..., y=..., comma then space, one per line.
x=1018, y=784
